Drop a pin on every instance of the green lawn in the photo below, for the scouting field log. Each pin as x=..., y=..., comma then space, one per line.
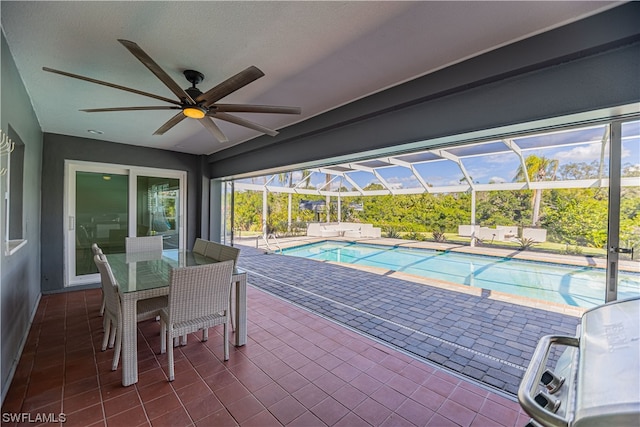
x=559, y=248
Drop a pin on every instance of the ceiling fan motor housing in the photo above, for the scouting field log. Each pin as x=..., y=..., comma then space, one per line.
x=194, y=77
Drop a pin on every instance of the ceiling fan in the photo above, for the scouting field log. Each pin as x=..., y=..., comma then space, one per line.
x=192, y=102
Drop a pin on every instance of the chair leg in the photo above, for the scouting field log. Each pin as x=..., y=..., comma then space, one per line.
x=233, y=327
x=118, y=347
x=205, y=334
x=170, y=357
x=102, y=306
x=112, y=334
x=226, y=340
x=163, y=337
x=106, y=324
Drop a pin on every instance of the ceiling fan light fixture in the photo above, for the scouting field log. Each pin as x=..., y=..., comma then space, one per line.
x=191, y=101
x=194, y=112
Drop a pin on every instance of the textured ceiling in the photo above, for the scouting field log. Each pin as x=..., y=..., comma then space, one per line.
x=315, y=55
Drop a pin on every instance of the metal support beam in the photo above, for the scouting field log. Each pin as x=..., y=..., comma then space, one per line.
x=265, y=212
x=413, y=170
x=446, y=155
x=613, y=239
x=514, y=147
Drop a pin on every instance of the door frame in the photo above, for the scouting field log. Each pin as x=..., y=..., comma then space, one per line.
x=69, y=207
x=615, y=188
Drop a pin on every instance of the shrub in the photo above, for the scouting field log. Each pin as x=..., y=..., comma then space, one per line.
x=414, y=235
x=525, y=242
x=572, y=250
x=392, y=233
x=438, y=236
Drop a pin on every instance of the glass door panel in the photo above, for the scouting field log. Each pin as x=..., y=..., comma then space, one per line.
x=627, y=249
x=97, y=213
x=158, y=208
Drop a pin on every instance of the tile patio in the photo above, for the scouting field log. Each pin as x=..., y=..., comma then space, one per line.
x=298, y=369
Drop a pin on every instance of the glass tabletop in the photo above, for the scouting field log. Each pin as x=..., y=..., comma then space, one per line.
x=150, y=270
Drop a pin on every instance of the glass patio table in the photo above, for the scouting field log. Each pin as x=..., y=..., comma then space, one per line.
x=146, y=275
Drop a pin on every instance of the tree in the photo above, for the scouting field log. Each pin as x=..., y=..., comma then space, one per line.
x=538, y=169
x=248, y=209
x=503, y=207
x=578, y=216
x=581, y=170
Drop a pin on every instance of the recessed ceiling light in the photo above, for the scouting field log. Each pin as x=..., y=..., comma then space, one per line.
x=95, y=132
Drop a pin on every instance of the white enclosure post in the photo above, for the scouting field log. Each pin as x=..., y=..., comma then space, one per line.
x=473, y=218
x=265, y=213
x=328, y=208
x=289, y=214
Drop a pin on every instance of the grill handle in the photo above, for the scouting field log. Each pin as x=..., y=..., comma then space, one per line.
x=529, y=385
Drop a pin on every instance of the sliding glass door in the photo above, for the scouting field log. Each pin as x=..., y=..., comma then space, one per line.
x=623, y=239
x=158, y=209
x=107, y=203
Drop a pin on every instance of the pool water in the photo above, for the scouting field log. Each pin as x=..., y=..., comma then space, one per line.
x=559, y=283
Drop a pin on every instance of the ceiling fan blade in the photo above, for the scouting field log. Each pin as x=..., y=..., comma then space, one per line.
x=155, y=69
x=242, y=122
x=101, y=110
x=214, y=129
x=230, y=85
x=248, y=108
x=115, y=86
x=170, y=123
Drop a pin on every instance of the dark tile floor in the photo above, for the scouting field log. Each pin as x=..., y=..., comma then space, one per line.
x=297, y=369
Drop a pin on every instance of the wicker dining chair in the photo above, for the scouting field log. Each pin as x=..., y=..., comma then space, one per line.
x=229, y=253
x=200, y=246
x=222, y=252
x=198, y=300
x=146, y=309
x=143, y=244
x=213, y=250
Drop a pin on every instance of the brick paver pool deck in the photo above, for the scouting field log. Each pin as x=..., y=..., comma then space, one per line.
x=474, y=334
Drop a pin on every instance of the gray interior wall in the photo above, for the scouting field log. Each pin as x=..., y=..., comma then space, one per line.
x=215, y=224
x=584, y=66
x=204, y=190
x=20, y=272
x=58, y=148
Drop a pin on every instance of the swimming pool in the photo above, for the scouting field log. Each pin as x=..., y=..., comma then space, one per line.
x=565, y=284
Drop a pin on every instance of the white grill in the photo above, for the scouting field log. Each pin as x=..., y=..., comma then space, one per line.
x=596, y=381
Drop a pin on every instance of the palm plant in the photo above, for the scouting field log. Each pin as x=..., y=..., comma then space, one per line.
x=538, y=169
x=525, y=242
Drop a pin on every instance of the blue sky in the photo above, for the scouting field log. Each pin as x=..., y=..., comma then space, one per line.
x=580, y=145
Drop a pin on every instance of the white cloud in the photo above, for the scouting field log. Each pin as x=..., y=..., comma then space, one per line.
x=584, y=153
x=500, y=158
x=403, y=182
x=627, y=153
x=497, y=179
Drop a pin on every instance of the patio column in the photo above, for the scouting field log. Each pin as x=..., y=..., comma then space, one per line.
x=339, y=209
x=265, y=212
x=289, y=213
x=328, y=208
x=473, y=217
